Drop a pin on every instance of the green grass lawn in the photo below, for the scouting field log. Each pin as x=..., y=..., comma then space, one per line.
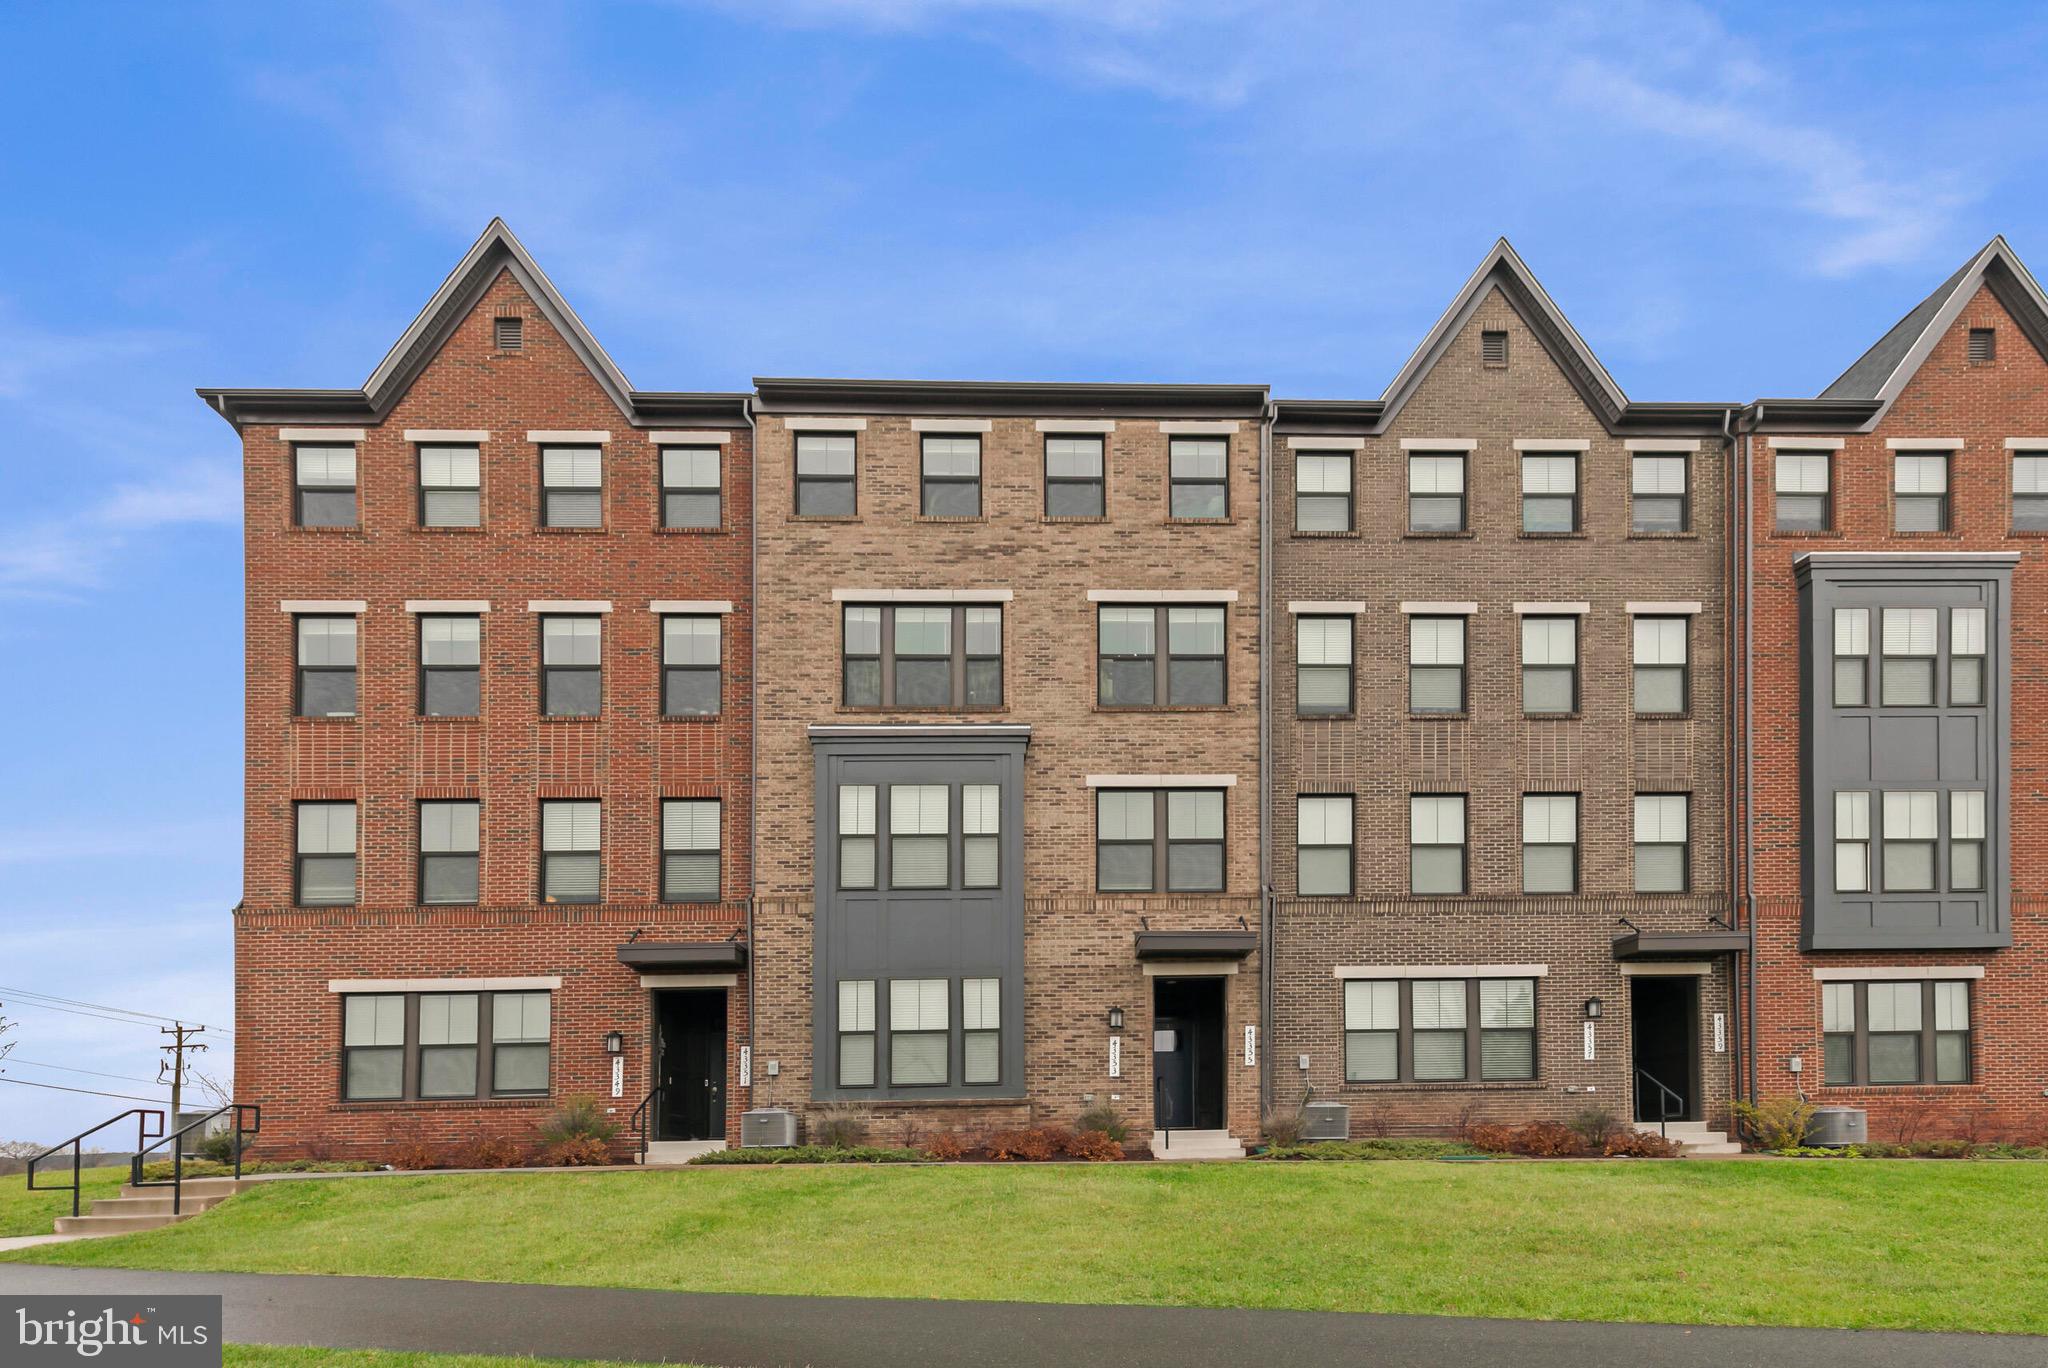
x=1904, y=1244
x=31, y=1213
x=269, y=1356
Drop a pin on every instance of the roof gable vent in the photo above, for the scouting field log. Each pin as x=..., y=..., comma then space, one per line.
x=1493, y=348
x=1983, y=345
x=508, y=334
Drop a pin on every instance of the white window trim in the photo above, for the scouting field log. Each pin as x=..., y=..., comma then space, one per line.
x=689, y=980
x=319, y=434
x=463, y=436
x=1162, y=595
x=1189, y=968
x=2026, y=444
x=711, y=438
x=569, y=606
x=1681, y=608
x=825, y=424
x=1202, y=427
x=1439, y=609
x=1553, y=444
x=569, y=437
x=1805, y=443
x=1147, y=781
x=960, y=425
x=447, y=605
x=689, y=605
x=1327, y=607
x=1326, y=443
x=1439, y=971
x=1654, y=444
x=1080, y=425
x=1902, y=973
x=1428, y=444
x=1925, y=444
x=544, y=983
x=322, y=606
x=1553, y=609
x=1668, y=969
x=921, y=595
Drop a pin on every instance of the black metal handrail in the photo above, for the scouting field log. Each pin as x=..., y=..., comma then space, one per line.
x=143, y=1135
x=1665, y=1099
x=176, y=1182
x=1162, y=1117
x=643, y=1116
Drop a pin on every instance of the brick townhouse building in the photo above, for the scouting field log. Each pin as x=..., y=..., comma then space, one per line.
x=499, y=722
x=1499, y=736
x=970, y=754
x=1893, y=719
x=1009, y=751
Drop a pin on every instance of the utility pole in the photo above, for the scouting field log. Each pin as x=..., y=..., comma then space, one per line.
x=183, y=1042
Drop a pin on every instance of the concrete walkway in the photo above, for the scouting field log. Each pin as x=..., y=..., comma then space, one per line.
x=821, y=1332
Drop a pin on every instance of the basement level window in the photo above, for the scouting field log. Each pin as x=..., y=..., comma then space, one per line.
x=1493, y=348
x=1983, y=345
x=508, y=334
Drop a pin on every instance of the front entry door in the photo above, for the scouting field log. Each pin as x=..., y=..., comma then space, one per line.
x=1187, y=1054
x=1664, y=1025
x=690, y=1041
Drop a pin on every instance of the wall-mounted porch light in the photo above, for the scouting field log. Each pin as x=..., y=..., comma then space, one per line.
x=1116, y=1018
x=614, y=1042
x=1592, y=1009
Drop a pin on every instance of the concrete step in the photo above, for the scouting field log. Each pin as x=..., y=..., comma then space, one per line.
x=680, y=1151
x=1722, y=1147
x=154, y=1206
x=115, y=1225
x=1192, y=1145
x=194, y=1187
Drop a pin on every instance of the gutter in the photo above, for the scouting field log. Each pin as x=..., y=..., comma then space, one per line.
x=1748, y=723
x=1268, y=916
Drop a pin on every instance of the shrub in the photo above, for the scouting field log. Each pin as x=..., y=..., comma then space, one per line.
x=486, y=1152
x=1102, y=1117
x=1781, y=1123
x=577, y=1151
x=839, y=1125
x=1034, y=1146
x=1548, y=1140
x=1094, y=1146
x=1491, y=1138
x=219, y=1146
x=811, y=1154
x=945, y=1147
x=580, y=1118
x=1907, y=1120
x=1596, y=1127
x=415, y=1153
x=1284, y=1125
x=1623, y=1142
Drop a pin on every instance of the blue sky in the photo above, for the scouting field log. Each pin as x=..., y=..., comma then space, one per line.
x=1730, y=201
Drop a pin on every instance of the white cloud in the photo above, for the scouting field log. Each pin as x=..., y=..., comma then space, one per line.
x=67, y=552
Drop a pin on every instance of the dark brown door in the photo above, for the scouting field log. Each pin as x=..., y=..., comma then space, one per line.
x=692, y=1067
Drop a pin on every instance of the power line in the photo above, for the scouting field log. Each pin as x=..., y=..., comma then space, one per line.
x=93, y=1092
x=102, y=1007
x=67, y=1068
x=73, y=1011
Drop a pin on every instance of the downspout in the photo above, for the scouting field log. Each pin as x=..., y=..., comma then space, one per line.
x=1268, y=917
x=1748, y=722
x=753, y=726
x=1740, y=1018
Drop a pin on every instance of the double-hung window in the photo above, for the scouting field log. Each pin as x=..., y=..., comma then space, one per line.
x=1437, y=1012
x=690, y=488
x=919, y=1032
x=1507, y=1029
x=1550, y=843
x=325, y=859
x=981, y=826
x=1966, y=657
x=1661, y=495
x=1436, y=664
x=572, y=672
x=981, y=1030
x=1198, y=474
x=1895, y=1034
x=520, y=1024
x=952, y=477
x=448, y=1037
x=572, y=486
x=1550, y=492
x=1322, y=670
x=324, y=486
x=1436, y=492
x=1431, y=1030
x=920, y=836
x=690, y=656
x=1911, y=832
x=1966, y=840
x=856, y=1033
x=689, y=850
x=1662, y=840
x=824, y=475
x=1323, y=836
x=449, y=831
x=1920, y=492
x=857, y=836
x=451, y=486
x=1662, y=667
x=1852, y=842
x=1803, y=486
x=1131, y=857
x=2030, y=491
x=372, y=1047
x=919, y=656
x=326, y=666
x=1073, y=477
x=1550, y=665
x=1372, y=1031
x=451, y=660
x=1436, y=843
x=1322, y=491
x=1852, y=657
x=571, y=850
x=1131, y=672
x=1910, y=645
